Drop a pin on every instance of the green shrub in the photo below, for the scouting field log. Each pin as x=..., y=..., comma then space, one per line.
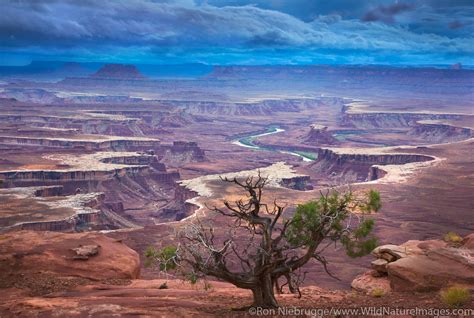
x=165, y=258
x=377, y=292
x=452, y=237
x=207, y=286
x=192, y=278
x=455, y=296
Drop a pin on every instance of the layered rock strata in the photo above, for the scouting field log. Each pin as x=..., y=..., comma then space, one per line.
x=438, y=132
x=358, y=165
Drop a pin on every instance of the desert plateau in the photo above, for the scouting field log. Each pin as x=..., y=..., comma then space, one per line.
x=256, y=180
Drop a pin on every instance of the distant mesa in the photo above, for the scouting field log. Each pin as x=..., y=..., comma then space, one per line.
x=457, y=66
x=118, y=71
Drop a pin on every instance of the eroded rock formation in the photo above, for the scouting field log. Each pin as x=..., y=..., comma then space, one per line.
x=420, y=266
x=319, y=135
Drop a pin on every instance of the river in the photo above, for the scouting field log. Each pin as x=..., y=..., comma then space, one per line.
x=247, y=142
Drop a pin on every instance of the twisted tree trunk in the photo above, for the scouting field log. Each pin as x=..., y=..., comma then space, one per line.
x=264, y=293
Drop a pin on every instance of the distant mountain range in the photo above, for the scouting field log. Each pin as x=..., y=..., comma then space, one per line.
x=57, y=70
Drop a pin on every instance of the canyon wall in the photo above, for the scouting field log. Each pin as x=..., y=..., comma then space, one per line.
x=435, y=132
x=390, y=120
x=180, y=153
x=85, y=212
x=300, y=183
x=97, y=145
x=178, y=208
x=342, y=168
x=15, y=178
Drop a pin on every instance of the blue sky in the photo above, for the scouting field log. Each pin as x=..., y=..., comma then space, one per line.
x=239, y=31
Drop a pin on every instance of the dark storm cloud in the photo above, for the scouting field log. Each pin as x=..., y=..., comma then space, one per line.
x=203, y=30
x=461, y=24
x=143, y=22
x=387, y=13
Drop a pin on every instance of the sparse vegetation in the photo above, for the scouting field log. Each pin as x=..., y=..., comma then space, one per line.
x=164, y=257
x=263, y=246
x=192, y=278
x=455, y=296
x=207, y=286
x=452, y=237
x=377, y=292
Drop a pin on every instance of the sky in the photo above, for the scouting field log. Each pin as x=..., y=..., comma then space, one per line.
x=244, y=32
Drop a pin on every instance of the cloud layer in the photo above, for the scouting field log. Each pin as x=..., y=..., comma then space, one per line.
x=238, y=33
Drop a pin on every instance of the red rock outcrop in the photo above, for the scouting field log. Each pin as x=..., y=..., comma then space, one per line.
x=371, y=282
x=421, y=266
x=30, y=253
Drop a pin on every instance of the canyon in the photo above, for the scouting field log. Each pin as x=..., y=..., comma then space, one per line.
x=116, y=154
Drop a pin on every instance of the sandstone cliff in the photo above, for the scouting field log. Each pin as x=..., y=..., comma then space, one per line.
x=348, y=165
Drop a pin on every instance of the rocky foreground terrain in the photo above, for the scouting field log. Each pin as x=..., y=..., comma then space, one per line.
x=97, y=167
x=79, y=275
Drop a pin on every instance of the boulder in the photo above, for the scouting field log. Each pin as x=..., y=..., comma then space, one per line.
x=435, y=269
x=468, y=242
x=368, y=282
x=31, y=253
x=390, y=252
x=380, y=265
x=422, y=265
x=84, y=252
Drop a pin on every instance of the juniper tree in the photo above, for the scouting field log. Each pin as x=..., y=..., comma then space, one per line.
x=261, y=245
